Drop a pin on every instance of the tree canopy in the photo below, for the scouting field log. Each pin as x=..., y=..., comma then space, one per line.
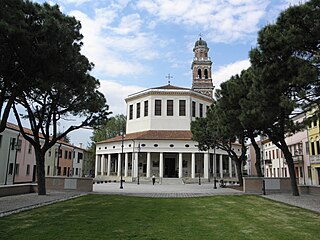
x=282, y=82
x=59, y=83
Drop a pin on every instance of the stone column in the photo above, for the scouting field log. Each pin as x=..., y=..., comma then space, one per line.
x=180, y=165
x=230, y=167
x=109, y=165
x=148, y=164
x=221, y=166
x=161, y=165
x=135, y=164
x=119, y=164
x=96, y=166
x=102, y=165
x=126, y=165
x=193, y=165
x=206, y=165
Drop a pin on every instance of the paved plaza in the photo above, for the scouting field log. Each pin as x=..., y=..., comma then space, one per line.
x=17, y=203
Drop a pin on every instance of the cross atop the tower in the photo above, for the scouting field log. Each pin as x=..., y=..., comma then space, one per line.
x=169, y=77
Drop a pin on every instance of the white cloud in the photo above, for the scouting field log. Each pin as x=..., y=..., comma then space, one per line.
x=116, y=50
x=227, y=21
x=115, y=94
x=225, y=72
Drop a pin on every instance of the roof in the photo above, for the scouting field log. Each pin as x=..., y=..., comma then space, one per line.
x=153, y=135
x=29, y=132
x=171, y=87
x=200, y=42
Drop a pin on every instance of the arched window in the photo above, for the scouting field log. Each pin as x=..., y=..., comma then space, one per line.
x=206, y=73
x=199, y=73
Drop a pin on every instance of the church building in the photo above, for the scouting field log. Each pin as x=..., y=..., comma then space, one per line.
x=158, y=140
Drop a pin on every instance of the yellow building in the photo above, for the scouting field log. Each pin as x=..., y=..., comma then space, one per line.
x=314, y=148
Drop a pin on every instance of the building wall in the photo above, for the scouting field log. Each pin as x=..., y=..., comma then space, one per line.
x=25, y=163
x=164, y=122
x=314, y=148
x=78, y=155
x=8, y=140
x=65, y=161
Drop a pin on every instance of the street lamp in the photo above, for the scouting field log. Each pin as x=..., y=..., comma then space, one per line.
x=139, y=148
x=122, y=138
x=214, y=163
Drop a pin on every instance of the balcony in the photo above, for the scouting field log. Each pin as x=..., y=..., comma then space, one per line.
x=267, y=161
x=315, y=158
x=297, y=158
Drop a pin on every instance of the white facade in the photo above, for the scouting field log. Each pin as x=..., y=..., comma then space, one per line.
x=158, y=139
x=148, y=120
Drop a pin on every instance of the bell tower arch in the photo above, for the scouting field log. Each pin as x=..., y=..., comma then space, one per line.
x=201, y=69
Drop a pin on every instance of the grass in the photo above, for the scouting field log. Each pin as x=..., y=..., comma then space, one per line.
x=123, y=217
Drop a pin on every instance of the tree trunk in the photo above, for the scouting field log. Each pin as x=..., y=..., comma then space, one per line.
x=239, y=171
x=41, y=178
x=258, y=156
x=289, y=159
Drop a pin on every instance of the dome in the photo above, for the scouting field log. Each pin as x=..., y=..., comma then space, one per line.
x=200, y=42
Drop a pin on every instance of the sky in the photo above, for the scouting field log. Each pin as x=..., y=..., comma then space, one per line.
x=136, y=44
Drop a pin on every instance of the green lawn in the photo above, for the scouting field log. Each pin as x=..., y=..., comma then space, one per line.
x=123, y=217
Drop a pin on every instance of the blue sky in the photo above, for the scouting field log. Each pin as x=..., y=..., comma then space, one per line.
x=135, y=44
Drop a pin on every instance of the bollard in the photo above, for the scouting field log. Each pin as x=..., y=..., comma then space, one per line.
x=214, y=183
x=263, y=187
x=199, y=179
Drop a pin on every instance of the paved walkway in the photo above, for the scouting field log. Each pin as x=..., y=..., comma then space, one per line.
x=17, y=203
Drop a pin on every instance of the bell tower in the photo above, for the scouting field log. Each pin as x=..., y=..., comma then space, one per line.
x=201, y=69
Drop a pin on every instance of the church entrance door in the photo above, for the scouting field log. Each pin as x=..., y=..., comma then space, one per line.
x=170, y=168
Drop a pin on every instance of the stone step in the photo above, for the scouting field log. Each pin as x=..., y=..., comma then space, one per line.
x=168, y=181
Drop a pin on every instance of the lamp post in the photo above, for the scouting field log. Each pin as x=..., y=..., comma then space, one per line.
x=121, y=183
x=214, y=168
x=139, y=148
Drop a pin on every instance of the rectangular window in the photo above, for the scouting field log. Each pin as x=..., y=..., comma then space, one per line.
x=48, y=171
x=130, y=112
x=318, y=147
x=17, y=169
x=65, y=154
x=201, y=110
x=169, y=107
x=277, y=153
x=138, y=110
x=315, y=122
x=70, y=154
x=182, y=107
x=312, y=149
x=157, y=109
x=193, y=109
x=11, y=168
x=76, y=171
x=30, y=148
x=19, y=145
x=146, y=108
x=13, y=142
x=64, y=171
x=80, y=156
x=28, y=169
x=49, y=153
x=272, y=154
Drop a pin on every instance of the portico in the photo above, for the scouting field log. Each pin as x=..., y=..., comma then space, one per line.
x=149, y=160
